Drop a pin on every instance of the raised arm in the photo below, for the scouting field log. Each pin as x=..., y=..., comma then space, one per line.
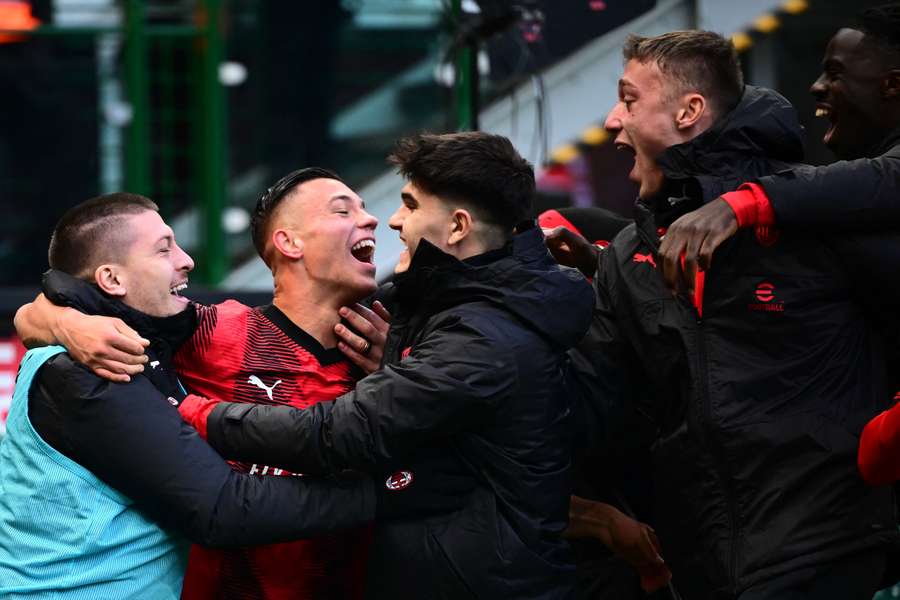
x=846, y=196
x=112, y=349
x=855, y=195
x=450, y=380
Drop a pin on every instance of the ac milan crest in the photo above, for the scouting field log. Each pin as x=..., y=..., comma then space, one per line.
x=399, y=481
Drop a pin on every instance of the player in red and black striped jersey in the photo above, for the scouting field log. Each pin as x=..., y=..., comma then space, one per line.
x=259, y=355
x=315, y=235
x=318, y=240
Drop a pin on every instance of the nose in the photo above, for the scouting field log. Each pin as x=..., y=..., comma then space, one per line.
x=613, y=123
x=396, y=220
x=367, y=221
x=183, y=261
x=818, y=89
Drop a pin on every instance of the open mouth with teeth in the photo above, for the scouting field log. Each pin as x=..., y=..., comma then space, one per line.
x=623, y=147
x=176, y=290
x=825, y=111
x=364, y=251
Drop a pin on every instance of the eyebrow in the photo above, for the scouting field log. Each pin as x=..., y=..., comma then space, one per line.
x=346, y=198
x=406, y=196
x=625, y=83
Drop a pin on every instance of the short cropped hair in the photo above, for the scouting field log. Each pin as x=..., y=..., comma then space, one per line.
x=269, y=202
x=698, y=60
x=480, y=170
x=881, y=26
x=91, y=233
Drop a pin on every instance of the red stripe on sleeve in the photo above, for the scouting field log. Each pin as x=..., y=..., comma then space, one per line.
x=195, y=411
x=751, y=205
x=879, y=448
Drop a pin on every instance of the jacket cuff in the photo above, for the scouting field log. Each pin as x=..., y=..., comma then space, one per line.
x=195, y=412
x=879, y=448
x=751, y=206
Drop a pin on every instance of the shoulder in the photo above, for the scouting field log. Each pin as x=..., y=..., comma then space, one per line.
x=62, y=377
x=230, y=316
x=61, y=372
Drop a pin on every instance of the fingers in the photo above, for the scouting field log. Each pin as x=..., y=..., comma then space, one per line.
x=357, y=343
x=115, y=377
x=365, y=321
x=691, y=250
x=363, y=361
x=670, y=251
x=652, y=544
x=121, y=362
x=382, y=312
x=558, y=241
x=130, y=340
x=715, y=239
x=654, y=578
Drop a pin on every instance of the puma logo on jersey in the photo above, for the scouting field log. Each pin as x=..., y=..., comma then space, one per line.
x=644, y=258
x=258, y=383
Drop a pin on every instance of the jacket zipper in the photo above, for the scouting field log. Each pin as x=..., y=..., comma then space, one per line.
x=724, y=471
x=706, y=408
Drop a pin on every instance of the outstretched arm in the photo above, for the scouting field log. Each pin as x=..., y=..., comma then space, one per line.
x=855, y=195
x=846, y=196
x=130, y=436
x=449, y=381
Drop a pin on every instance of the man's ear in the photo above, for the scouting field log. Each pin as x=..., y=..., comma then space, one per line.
x=111, y=279
x=693, y=108
x=287, y=243
x=890, y=85
x=460, y=226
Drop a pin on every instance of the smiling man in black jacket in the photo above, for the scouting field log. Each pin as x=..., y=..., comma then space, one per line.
x=474, y=365
x=758, y=382
x=858, y=92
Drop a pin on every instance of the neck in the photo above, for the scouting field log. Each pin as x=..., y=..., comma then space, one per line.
x=473, y=245
x=309, y=307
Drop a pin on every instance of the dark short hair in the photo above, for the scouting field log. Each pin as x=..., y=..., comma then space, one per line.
x=91, y=234
x=699, y=60
x=269, y=202
x=483, y=171
x=881, y=25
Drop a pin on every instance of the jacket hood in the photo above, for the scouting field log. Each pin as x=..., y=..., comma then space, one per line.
x=522, y=278
x=64, y=290
x=761, y=130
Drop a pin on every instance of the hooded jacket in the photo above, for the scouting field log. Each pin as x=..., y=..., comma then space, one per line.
x=474, y=366
x=758, y=387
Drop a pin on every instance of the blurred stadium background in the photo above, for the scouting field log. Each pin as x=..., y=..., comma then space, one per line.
x=200, y=104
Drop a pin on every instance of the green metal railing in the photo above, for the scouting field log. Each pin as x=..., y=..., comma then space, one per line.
x=153, y=148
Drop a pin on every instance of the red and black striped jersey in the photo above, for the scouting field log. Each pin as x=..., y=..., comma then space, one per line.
x=242, y=354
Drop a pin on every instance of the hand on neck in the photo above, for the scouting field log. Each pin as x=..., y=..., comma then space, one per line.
x=311, y=308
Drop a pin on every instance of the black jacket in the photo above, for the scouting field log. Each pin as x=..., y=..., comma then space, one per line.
x=758, y=397
x=862, y=194
x=474, y=365
x=131, y=436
